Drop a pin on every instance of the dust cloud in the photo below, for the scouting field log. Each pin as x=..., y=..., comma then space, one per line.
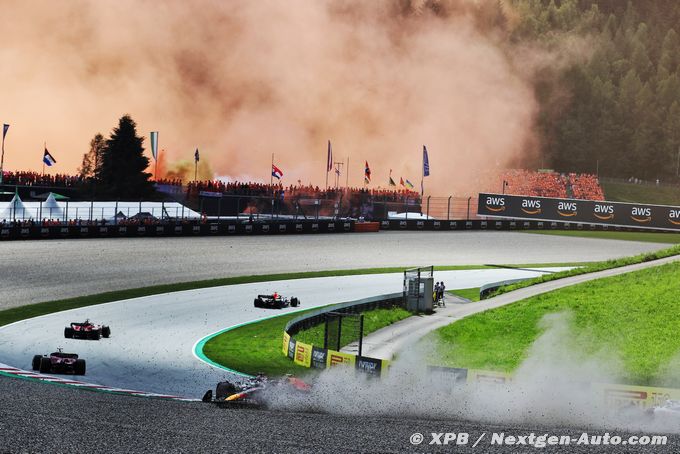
x=242, y=80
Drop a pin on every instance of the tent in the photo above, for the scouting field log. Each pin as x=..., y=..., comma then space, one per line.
x=51, y=209
x=15, y=209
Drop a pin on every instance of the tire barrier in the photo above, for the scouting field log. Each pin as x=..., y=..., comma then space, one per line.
x=498, y=224
x=308, y=355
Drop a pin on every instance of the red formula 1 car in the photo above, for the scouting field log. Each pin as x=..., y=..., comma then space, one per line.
x=59, y=363
x=275, y=301
x=86, y=330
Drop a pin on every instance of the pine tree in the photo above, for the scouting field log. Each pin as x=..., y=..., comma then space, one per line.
x=92, y=160
x=122, y=174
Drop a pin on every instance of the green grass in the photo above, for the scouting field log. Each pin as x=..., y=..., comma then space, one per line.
x=468, y=293
x=256, y=347
x=635, y=317
x=652, y=237
x=591, y=268
x=639, y=193
x=373, y=321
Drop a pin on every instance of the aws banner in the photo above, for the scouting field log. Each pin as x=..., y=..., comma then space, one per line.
x=580, y=211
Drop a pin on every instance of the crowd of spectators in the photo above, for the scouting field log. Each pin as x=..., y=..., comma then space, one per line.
x=38, y=179
x=538, y=184
x=296, y=191
x=585, y=186
x=552, y=184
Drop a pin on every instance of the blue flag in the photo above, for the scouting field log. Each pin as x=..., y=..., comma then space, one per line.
x=426, y=163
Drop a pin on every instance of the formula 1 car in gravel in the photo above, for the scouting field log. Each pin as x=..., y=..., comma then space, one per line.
x=254, y=391
x=59, y=363
x=86, y=330
x=275, y=301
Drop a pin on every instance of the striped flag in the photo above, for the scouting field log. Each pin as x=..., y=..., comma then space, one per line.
x=409, y=184
x=276, y=172
x=48, y=158
x=391, y=182
x=367, y=173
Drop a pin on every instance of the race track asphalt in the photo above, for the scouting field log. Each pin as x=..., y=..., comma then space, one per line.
x=36, y=271
x=151, y=345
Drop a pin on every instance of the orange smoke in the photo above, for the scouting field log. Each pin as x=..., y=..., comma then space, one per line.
x=241, y=80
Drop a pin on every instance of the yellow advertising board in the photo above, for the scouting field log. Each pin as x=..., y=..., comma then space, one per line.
x=639, y=396
x=286, y=340
x=303, y=354
x=336, y=358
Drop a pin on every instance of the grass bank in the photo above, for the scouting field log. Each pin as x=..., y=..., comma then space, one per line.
x=591, y=268
x=471, y=294
x=256, y=347
x=634, y=317
x=640, y=193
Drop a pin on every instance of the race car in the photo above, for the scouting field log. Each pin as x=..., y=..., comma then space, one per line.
x=86, y=330
x=254, y=391
x=275, y=301
x=59, y=363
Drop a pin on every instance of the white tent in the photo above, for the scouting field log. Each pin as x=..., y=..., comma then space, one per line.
x=51, y=209
x=14, y=209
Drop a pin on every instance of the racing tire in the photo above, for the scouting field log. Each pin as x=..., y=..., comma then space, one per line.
x=258, y=302
x=294, y=302
x=68, y=333
x=45, y=365
x=79, y=367
x=95, y=335
x=106, y=332
x=36, y=362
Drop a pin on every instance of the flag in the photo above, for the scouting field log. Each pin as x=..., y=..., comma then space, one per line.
x=329, y=162
x=392, y=183
x=5, y=127
x=276, y=172
x=409, y=184
x=367, y=173
x=154, y=144
x=401, y=181
x=197, y=157
x=426, y=163
x=337, y=171
x=48, y=158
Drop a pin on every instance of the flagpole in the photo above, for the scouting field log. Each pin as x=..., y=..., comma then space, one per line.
x=195, y=167
x=2, y=159
x=44, y=148
x=271, y=174
x=327, y=159
x=347, y=176
x=422, y=177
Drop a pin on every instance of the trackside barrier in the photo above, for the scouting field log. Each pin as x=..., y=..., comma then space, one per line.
x=283, y=227
x=176, y=229
x=308, y=355
x=613, y=395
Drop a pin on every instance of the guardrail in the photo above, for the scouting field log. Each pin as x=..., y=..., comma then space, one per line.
x=309, y=355
x=268, y=227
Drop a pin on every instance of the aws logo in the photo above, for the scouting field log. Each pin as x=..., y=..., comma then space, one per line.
x=495, y=204
x=674, y=217
x=641, y=215
x=566, y=209
x=604, y=212
x=531, y=206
